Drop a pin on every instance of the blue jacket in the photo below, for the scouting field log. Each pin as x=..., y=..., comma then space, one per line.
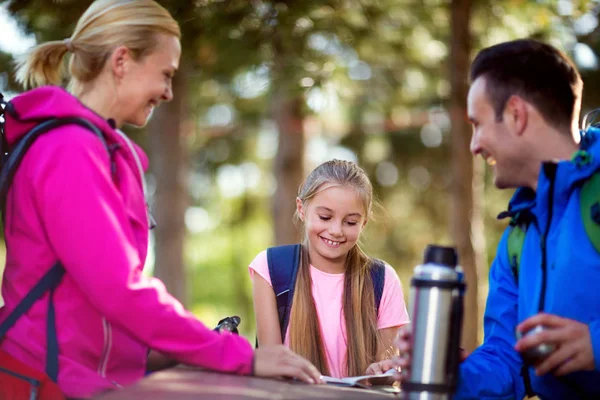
x=572, y=286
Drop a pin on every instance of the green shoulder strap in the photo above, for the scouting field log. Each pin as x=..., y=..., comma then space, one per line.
x=590, y=209
x=516, y=239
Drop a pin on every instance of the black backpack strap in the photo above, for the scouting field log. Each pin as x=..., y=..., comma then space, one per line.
x=378, y=278
x=3, y=144
x=283, y=264
x=48, y=282
x=9, y=168
x=53, y=277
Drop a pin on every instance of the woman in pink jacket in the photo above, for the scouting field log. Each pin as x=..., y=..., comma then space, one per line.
x=80, y=201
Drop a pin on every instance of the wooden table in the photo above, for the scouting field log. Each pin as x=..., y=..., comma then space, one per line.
x=187, y=383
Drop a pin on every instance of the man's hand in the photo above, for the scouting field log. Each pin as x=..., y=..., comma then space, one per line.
x=403, y=342
x=572, y=339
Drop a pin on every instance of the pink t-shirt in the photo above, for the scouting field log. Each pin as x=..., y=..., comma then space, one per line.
x=327, y=291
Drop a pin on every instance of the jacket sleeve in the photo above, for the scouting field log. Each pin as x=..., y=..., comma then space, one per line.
x=493, y=370
x=86, y=223
x=594, y=327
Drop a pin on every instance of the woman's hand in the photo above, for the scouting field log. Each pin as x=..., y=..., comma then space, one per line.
x=279, y=361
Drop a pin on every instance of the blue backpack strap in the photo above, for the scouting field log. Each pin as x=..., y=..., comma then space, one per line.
x=48, y=282
x=378, y=278
x=283, y=264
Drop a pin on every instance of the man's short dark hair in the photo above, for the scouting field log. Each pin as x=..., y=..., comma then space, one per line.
x=535, y=71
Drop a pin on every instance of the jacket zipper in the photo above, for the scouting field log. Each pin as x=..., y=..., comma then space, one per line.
x=35, y=384
x=550, y=171
x=106, y=348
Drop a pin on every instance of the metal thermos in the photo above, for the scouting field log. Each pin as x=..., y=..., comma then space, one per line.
x=436, y=308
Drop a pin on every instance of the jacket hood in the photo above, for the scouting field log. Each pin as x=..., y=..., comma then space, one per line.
x=30, y=108
x=583, y=164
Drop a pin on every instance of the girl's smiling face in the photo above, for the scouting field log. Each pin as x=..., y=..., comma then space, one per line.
x=333, y=221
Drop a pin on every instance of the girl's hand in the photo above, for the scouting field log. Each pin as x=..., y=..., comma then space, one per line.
x=379, y=367
x=279, y=361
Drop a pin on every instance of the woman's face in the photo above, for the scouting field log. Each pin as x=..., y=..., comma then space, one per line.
x=148, y=82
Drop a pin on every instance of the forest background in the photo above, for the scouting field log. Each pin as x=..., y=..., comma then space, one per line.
x=267, y=90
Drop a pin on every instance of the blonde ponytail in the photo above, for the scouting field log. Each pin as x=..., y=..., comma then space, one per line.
x=106, y=25
x=42, y=65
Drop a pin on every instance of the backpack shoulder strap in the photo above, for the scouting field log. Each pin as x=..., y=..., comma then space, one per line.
x=378, y=278
x=590, y=208
x=48, y=282
x=53, y=277
x=515, y=242
x=283, y=264
x=12, y=162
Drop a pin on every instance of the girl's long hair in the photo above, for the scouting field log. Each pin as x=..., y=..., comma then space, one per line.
x=362, y=335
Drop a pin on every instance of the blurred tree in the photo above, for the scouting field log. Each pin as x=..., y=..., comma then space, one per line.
x=268, y=89
x=169, y=127
x=465, y=179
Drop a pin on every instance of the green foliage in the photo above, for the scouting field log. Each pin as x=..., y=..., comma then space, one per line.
x=375, y=76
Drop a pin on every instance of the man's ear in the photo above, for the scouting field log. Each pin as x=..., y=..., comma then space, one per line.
x=516, y=114
x=119, y=61
x=300, y=208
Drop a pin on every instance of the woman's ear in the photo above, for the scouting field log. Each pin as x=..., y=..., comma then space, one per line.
x=300, y=208
x=119, y=61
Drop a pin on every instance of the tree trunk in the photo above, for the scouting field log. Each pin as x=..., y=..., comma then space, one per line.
x=289, y=163
x=464, y=217
x=169, y=166
x=287, y=112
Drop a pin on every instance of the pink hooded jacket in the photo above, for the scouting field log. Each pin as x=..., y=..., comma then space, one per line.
x=65, y=204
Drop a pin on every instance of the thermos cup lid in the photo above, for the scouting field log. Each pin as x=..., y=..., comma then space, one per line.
x=440, y=255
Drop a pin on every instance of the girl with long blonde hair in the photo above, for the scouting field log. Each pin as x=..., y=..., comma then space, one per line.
x=334, y=320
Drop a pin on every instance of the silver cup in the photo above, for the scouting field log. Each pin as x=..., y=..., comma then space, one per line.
x=535, y=355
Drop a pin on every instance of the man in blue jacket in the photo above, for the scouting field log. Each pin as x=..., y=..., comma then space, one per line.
x=524, y=105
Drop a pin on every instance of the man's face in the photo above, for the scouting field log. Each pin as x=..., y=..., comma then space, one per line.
x=491, y=139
